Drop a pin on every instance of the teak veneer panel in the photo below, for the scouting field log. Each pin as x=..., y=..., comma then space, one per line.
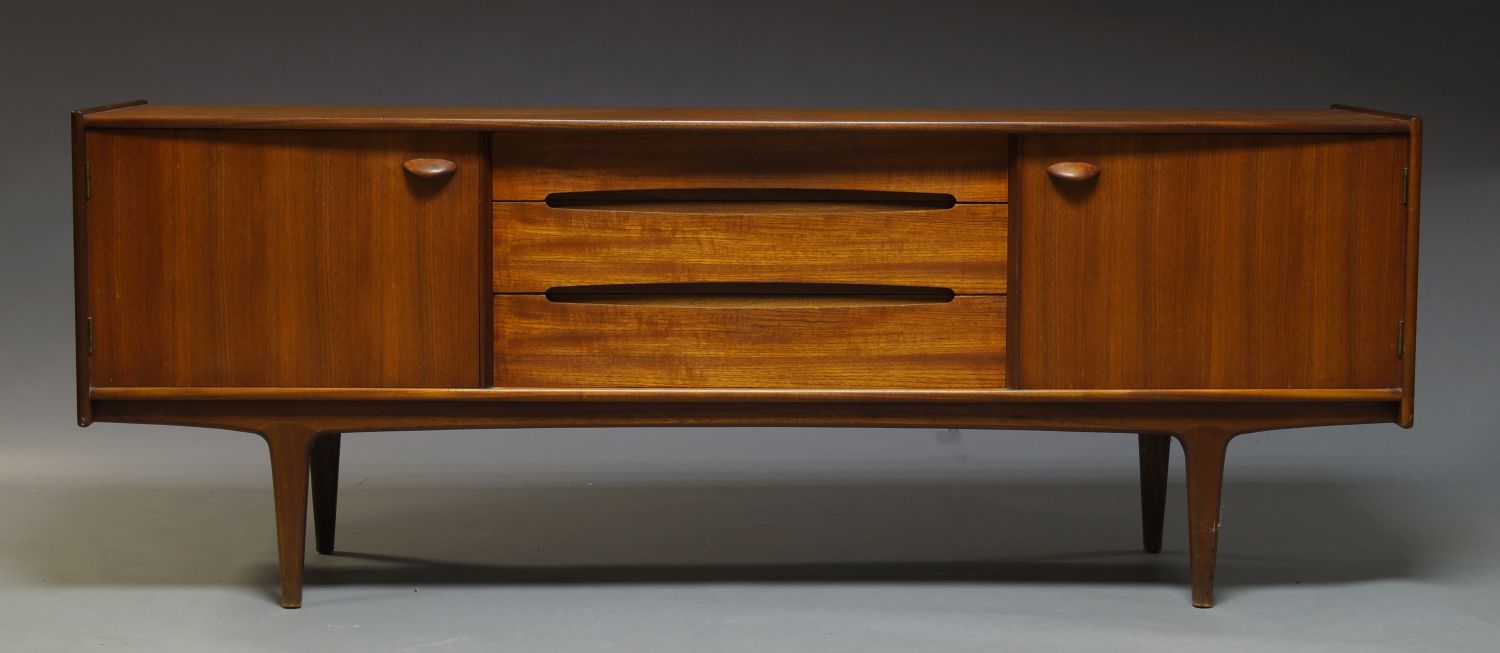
x=282, y=258
x=538, y=247
x=532, y=165
x=1211, y=262
x=801, y=344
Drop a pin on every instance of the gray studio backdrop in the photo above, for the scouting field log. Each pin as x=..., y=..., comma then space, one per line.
x=1437, y=60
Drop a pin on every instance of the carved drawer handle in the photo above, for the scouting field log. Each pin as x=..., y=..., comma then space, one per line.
x=1073, y=171
x=430, y=168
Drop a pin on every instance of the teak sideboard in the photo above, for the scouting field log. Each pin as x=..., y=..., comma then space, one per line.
x=304, y=272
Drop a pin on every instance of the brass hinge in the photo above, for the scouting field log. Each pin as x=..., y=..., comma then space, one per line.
x=1405, y=185
x=91, y=335
x=1400, y=338
x=88, y=181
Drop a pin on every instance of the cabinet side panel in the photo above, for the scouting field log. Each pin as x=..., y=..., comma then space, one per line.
x=1220, y=261
x=81, y=327
x=280, y=258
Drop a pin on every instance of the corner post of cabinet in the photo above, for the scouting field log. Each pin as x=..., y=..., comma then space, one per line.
x=1014, y=223
x=1413, y=194
x=83, y=322
x=486, y=239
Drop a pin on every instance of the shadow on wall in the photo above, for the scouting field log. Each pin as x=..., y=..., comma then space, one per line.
x=1277, y=533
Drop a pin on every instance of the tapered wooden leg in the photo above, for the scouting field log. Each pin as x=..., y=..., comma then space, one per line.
x=1156, y=451
x=290, y=453
x=325, y=489
x=1203, y=449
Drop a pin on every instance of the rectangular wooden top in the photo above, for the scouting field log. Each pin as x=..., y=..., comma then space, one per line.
x=1333, y=120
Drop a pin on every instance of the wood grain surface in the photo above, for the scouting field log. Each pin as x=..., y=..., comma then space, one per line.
x=1190, y=274
x=82, y=325
x=969, y=166
x=798, y=344
x=752, y=395
x=1211, y=262
x=538, y=247
x=624, y=119
x=263, y=258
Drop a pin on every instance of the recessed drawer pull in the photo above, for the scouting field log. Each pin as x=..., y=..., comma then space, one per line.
x=430, y=168
x=762, y=295
x=750, y=200
x=1073, y=171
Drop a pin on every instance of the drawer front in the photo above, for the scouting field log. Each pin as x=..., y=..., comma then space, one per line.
x=538, y=247
x=827, y=342
x=971, y=167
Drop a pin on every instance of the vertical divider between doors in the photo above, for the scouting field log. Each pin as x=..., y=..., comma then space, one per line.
x=1013, y=300
x=486, y=262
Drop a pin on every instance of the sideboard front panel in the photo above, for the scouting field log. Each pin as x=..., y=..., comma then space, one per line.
x=285, y=258
x=1211, y=261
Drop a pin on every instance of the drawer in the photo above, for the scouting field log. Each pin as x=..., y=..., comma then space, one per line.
x=750, y=342
x=969, y=166
x=538, y=247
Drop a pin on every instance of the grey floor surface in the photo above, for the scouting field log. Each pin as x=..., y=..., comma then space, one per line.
x=1039, y=559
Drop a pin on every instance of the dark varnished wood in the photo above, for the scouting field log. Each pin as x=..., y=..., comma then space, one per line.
x=1212, y=262
x=325, y=489
x=969, y=166
x=960, y=248
x=257, y=258
x=740, y=342
x=1004, y=120
x=1155, y=453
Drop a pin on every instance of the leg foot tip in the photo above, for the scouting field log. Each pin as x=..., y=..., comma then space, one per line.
x=291, y=605
x=1201, y=603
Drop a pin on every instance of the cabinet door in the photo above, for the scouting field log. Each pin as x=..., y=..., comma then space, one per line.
x=285, y=258
x=1210, y=261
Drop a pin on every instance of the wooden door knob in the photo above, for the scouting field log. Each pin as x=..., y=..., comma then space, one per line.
x=430, y=168
x=1073, y=171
